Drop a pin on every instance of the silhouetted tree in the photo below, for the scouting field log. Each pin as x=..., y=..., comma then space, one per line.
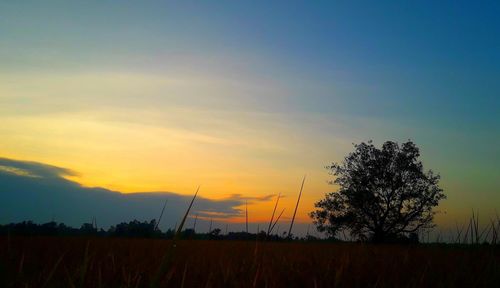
x=135, y=228
x=214, y=234
x=384, y=195
x=28, y=228
x=88, y=229
x=188, y=234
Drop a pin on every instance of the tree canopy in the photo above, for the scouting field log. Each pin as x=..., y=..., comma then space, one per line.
x=384, y=194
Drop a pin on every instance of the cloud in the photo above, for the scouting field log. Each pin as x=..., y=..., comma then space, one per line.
x=252, y=199
x=33, y=169
x=39, y=192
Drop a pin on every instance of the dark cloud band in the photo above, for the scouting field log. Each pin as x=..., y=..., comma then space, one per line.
x=39, y=192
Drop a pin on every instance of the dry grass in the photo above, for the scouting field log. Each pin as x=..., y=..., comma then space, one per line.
x=112, y=262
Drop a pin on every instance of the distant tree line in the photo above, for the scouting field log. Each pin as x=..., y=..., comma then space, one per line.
x=136, y=229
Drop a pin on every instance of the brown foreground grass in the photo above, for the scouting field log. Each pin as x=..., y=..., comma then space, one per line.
x=112, y=262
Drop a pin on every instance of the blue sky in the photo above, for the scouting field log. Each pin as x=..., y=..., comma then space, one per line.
x=440, y=57
x=284, y=87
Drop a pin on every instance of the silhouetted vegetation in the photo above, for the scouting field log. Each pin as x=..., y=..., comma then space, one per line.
x=99, y=258
x=384, y=196
x=126, y=262
x=133, y=229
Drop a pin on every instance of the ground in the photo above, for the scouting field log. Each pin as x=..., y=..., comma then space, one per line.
x=117, y=262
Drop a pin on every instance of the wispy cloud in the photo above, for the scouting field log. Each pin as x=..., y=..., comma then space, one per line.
x=241, y=197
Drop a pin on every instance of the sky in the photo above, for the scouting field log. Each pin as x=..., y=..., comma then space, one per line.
x=245, y=98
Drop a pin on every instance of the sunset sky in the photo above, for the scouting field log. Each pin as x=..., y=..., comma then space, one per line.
x=246, y=98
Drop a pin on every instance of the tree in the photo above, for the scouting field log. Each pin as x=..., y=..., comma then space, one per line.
x=214, y=234
x=135, y=228
x=384, y=194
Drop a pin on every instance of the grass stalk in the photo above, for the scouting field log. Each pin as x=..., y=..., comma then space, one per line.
x=53, y=270
x=85, y=265
x=476, y=227
x=161, y=214
x=277, y=219
x=487, y=229
x=459, y=233
x=494, y=235
x=183, y=281
x=467, y=232
x=296, y=206
x=272, y=216
x=246, y=216
x=169, y=255
x=194, y=224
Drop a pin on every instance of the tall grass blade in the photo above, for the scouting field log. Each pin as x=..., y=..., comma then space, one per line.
x=179, y=229
x=246, y=216
x=487, y=229
x=161, y=214
x=473, y=227
x=183, y=281
x=51, y=273
x=494, y=236
x=194, y=224
x=168, y=256
x=277, y=219
x=459, y=233
x=296, y=206
x=467, y=232
x=272, y=216
x=476, y=226
x=85, y=264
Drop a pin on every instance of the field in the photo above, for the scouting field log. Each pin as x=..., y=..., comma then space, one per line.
x=118, y=262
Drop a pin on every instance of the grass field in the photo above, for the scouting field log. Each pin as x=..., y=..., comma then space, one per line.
x=115, y=262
